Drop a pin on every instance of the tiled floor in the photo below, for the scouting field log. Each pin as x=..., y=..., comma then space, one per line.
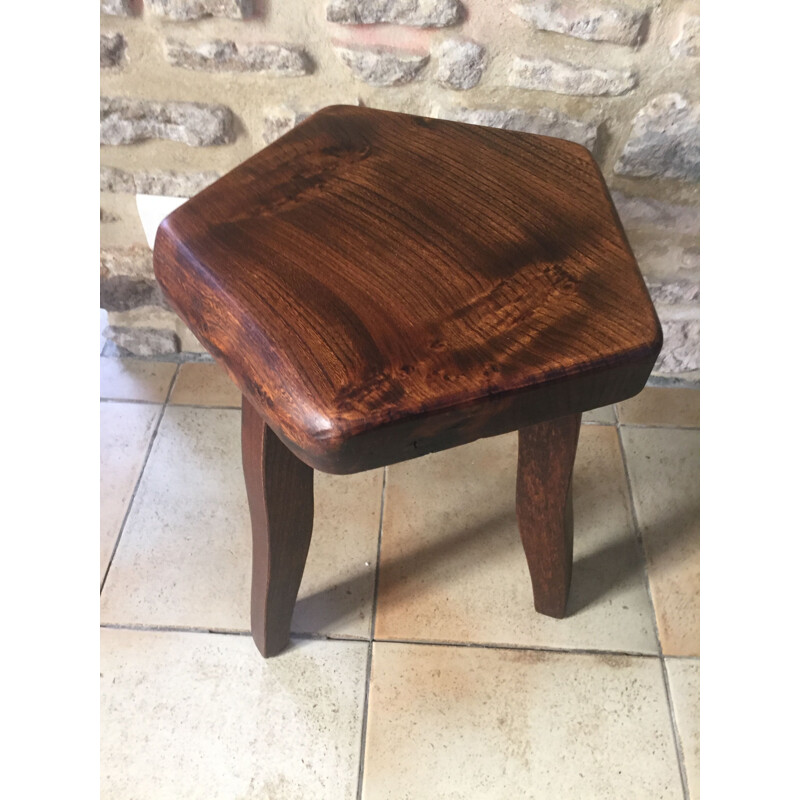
x=419, y=668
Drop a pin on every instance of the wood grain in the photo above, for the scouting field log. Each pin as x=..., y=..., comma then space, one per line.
x=280, y=492
x=381, y=286
x=544, y=508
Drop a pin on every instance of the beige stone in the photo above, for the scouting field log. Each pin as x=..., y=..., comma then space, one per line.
x=112, y=50
x=137, y=324
x=687, y=42
x=664, y=140
x=452, y=565
x=382, y=66
x=453, y=722
x=544, y=121
x=665, y=477
x=127, y=121
x=117, y=8
x=680, y=352
x=204, y=716
x=143, y=341
x=600, y=22
x=460, y=63
x=184, y=10
x=550, y=75
x=422, y=13
x=278, y=60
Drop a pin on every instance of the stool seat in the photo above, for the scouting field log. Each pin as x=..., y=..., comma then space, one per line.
x=381, y=285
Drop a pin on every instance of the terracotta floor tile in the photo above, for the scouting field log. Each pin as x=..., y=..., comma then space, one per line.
x=203, y=384
x=188, y=715
x=466, y=722
x=125, y=433
x=452, y=567
x=184, y=558
x=662, y=406
x=128, y=379
x=684, y=683
x=665, y=478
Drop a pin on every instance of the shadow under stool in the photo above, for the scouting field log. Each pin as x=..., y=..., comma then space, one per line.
x=381, y=286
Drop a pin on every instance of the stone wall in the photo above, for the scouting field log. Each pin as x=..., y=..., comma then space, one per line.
x=190, y=88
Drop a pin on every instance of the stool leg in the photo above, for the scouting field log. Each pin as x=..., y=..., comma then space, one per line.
x=544, y=508
x=280, y=491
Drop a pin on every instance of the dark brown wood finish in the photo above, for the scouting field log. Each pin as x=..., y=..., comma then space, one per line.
x=382, y=286
x=280, y=491
x=544, y=508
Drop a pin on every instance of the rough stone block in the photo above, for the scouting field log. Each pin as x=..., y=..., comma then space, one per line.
x=381, y=66
x=131, y=262
x=282, y=119
x=125, y=121
x=143, y=341
x=124, y=292
x=664, y=236
x=419, y=13
x=638, y=212
x=675, y=293
x=117, y=8
x=547, y=75
x=279, y=60
x=681, y=350
x=544, y=121
x=173, y=184
x=664, y=141
x=116, y=180
x=594, y=21
x=112, y=49
x=687, y=43
x=160, y=182
x=183, y=10
x=279, y=121
x=460, y=63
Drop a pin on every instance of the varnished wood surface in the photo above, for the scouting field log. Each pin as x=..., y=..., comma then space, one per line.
x=280, y=492
x=381, y=285
x=544, y=508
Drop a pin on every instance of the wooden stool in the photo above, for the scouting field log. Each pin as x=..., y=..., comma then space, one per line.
x=381, y=286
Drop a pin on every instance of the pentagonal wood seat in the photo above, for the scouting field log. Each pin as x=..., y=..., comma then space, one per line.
x=381, y=286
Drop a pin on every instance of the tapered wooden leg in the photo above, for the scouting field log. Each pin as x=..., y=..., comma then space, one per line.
x=280, y=491
x=544, y=508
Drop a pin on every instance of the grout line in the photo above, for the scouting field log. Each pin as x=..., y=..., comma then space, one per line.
x=659, y=427
x=196, y=405
x=640, y=540
x=136, y=626
x=125, y=400
x=368, y=672
x=523, y=647
x=678, y=745
x=173, y=405
x=138, y=481
x=419, y=642
x=378, y=555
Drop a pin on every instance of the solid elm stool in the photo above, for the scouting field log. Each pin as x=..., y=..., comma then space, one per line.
x=381, y=286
